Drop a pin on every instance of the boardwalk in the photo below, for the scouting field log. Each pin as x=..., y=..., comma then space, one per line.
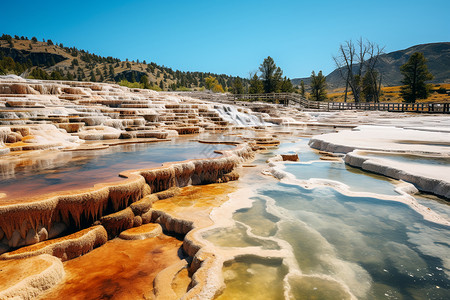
x=296, y=99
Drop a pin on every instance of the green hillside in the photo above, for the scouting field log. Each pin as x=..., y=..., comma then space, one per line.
x=48, y=60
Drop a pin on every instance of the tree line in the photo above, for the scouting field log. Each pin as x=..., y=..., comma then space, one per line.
x=270, y=80
x=356, y=63
x=87, y=66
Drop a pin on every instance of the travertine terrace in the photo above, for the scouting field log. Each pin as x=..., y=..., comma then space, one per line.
x=32, y=114
x=147, y=206
x=38, y=115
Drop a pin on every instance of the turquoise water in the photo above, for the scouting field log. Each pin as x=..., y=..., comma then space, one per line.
x=377, y=249
x=341, y=245
x=441, y=206
x=356, y=179
x=305, y=153
x=409, y=158
x=386, y=242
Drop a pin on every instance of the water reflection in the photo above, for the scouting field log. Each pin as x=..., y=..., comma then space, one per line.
x=409, y=158
x=356, y=179
x=59, y=171
x=342, y=245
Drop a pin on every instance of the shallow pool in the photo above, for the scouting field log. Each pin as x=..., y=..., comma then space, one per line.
x=338, y=246
x=409, y=158
x=356, y=179
x=61, y=171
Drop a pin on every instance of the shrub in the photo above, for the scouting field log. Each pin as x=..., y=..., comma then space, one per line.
x=133, y=85
x=441, y=90
x=183, y=89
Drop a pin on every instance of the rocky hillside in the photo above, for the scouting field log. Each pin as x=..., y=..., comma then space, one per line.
x=437, y=54
x=69, y=63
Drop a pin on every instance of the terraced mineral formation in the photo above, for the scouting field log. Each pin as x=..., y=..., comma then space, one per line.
x=149, y=222
x=29, y=278
x=116, y=206
x=393, y=144
x=36, y=114
x=41, y=115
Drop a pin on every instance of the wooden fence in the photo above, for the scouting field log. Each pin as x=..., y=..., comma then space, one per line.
x=296, y=99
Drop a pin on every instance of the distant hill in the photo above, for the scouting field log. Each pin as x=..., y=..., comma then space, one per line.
x=60, y=63
x=438, y=62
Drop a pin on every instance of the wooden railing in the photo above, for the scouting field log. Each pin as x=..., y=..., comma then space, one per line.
x=296, y=99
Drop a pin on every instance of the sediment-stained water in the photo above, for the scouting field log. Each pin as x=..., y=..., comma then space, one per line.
x=262, y=279
x=81, y=169
x=335, y=246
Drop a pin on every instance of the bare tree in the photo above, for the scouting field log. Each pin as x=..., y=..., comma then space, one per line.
x=354, y=61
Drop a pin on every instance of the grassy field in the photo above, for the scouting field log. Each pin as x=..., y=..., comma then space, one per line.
x=392, y=94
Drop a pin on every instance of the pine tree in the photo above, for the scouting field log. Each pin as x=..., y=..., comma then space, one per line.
x=144, y=81
x=270, y=75
x=286, y=85
x=92, y=77
x=256, y=85
x=415, y=74
x=69, y=76
x=302, y=89
x=161, y=85
x=56, y=75
x=238, y=88
x=111, y=71
x=369, y=86
x=318, y=91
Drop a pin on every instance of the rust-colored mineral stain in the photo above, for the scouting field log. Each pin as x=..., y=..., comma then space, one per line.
x=146, y=228
x=44, y=244
x=181, y=282
x=119, y=269
x=196, y=202
x=14, y=271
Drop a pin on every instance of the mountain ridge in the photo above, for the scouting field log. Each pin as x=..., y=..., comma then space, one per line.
x=438, y=62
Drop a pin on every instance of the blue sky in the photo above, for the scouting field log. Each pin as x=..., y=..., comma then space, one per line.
x=231, y=37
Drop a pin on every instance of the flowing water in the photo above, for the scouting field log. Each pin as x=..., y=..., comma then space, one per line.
x=231, y=114
x=332, y=246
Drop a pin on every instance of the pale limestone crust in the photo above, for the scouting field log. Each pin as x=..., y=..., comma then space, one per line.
x=162, y=285
x=414, y=141
x=428, y=182
x=35, y=283
x=64, y=248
